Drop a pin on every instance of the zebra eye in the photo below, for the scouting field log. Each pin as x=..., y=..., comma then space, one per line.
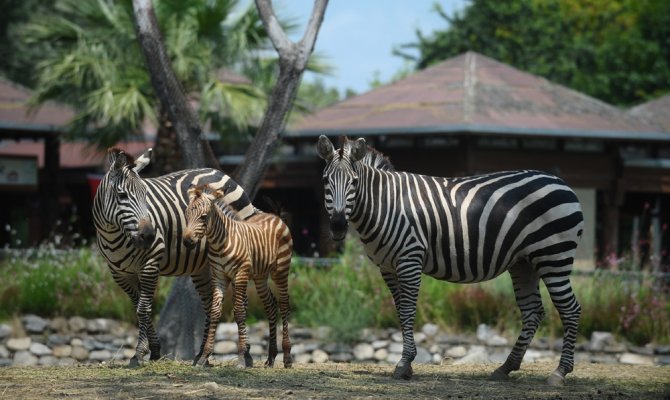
x=123, y=195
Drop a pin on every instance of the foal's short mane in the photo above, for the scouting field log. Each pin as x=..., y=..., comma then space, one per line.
x=218, y=202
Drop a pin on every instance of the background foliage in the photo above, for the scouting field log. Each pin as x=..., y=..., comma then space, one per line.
x=347, y=297
x=615, y=50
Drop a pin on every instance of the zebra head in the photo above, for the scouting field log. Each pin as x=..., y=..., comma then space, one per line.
x=340, y=181
x=200, y=202
x=125, y=197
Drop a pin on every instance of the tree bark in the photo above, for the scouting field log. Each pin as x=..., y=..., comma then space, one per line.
x=182, y=318
x=195, y=149
x=293, y=59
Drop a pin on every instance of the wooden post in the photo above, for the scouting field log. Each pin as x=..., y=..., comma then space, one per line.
x=50, y=188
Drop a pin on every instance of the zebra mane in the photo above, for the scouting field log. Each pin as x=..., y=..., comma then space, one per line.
x=373, y=157
x=218, y=202
x=114, y=152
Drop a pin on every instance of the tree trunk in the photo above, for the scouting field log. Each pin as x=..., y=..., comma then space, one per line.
x=182, y=318
x=196, y=150
x=166, y=156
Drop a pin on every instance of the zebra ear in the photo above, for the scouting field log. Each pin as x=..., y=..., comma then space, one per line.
x=117, y=159
x=218, y=193
x=143, y=161
x=358, y=150
x=325, y=148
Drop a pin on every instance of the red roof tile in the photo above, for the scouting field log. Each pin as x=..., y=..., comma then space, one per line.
x=656, y=111
x=472, y=93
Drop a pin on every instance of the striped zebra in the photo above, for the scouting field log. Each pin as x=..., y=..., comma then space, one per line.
x=139, y=224
x=255, y=248
x=461, y=230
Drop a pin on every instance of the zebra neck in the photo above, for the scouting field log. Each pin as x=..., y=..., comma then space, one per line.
x=366, y=195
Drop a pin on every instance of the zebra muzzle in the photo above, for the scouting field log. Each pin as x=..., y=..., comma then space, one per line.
x=338, y=225
x=146, y=234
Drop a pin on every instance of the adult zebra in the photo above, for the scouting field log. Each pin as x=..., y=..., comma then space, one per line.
x=462, y=230
x=139, y=224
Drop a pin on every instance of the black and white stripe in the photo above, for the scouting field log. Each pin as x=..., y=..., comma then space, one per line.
x=462, y=230
x=139, y=224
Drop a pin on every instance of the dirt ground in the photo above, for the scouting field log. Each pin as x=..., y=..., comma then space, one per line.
x=178, y=380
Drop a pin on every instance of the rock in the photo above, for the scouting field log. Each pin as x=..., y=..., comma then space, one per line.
x=100, y=355
x=76, y=324
x=303, y=358
x=603, y=359
x=395, y=347
x=331, y=348
x=397, y=337
x=4, y=352
x=59, y=325
x=531, y=356
x=76, y=342
x=62, y=350
x=226, y=331
x=393, y=358
x=599, y=340
x=663, y=360
x=378, y=344
x=456, y=352
x=105, y=338
x=319, y=356
x=99, y=325
x=34, y=324
x=23, y=358
x=79, y=353
x=381, y=354
x=423, y=356
x=636, y=359
x=66, y=361
x=211, y=386
x=615, y=348
x=430, y=330
x=5, y=331
x=56, y=339
x=498, y=356
x=19, y=344
x=341, y=357
x=301, y=333
x=437, y=359
x=363, y=351
x=646, y=350
x=476, y=354
x=662, y=349
x=127, y=353
x=39, y=349
x=47, y=360
x=302, y=347
x=489, y=337
x=225, y=347
x=5, y=362
x=258, y=350
x=419, y=337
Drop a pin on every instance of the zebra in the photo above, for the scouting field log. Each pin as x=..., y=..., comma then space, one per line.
x=139, y=223
x=255, y=248
x=463, y=230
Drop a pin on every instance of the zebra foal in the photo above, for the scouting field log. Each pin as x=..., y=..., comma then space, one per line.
x=240, y=250
x=463, y=230
x=139, y=223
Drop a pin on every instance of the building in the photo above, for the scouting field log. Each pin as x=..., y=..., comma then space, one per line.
x=471, y=114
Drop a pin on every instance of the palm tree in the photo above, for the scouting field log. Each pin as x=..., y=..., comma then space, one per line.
x=94, y=63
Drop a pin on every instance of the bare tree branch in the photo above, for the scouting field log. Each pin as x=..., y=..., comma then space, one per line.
x=292, y=63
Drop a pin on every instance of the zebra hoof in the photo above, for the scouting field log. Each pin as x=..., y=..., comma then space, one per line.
x=270, y=362
x=556, y=379
x=288, y=362
x=248, y=360
x=201, y=362
x=403, y=371
x=134, y=362
x=498, y=375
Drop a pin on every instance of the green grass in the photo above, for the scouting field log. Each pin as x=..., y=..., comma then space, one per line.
x=347, y=297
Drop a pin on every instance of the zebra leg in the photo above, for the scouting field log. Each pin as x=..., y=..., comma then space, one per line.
x=404, y=286
x=212, y=295
x=560, y=290
x=270, y=306
x=527, y=293
x=148, y=340
x=240, y=313
x=280, y=277
x=131, y=285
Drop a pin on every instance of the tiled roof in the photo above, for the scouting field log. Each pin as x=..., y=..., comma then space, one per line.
x=14, y=112
x=656, y=111
x=473, y=93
